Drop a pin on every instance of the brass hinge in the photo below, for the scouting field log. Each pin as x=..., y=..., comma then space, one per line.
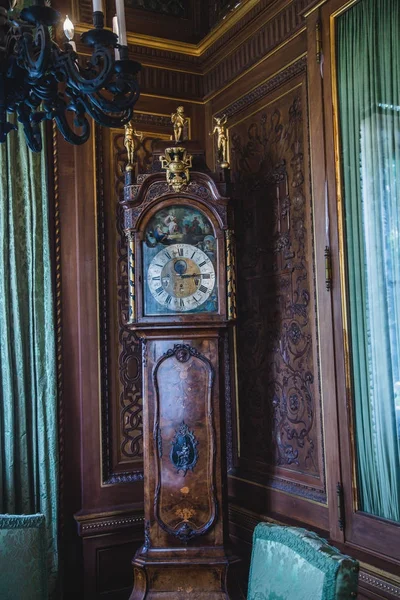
x=328, y=268
x=318, y=41
x=340, y=505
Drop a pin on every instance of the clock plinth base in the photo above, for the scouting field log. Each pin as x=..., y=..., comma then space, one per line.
x=201, y=578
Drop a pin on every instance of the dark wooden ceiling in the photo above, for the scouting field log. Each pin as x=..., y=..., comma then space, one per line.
x=180, y=20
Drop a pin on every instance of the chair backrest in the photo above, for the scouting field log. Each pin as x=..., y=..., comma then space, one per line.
x=23, y=548
x=290, y=562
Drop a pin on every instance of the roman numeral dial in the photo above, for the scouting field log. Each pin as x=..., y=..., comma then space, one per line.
x=181, y=277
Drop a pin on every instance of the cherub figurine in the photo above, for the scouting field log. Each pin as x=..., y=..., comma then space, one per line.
x=131, y=139
x=222, y=140
x=179, y=120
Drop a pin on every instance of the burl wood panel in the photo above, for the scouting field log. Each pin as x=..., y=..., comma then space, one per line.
x=278, y=379
x=182, y=417
x=185, y=436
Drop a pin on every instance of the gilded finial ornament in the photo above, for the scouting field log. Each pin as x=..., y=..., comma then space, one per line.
x=179, y=121
x=177, y=163
x=222, y=140
x=132, y=139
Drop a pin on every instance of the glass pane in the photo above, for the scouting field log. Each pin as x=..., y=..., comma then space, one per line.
x=369, y=115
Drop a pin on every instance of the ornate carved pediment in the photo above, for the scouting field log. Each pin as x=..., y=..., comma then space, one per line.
x=152, y=187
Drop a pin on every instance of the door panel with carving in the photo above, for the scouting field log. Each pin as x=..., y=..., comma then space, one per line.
x=278, y=379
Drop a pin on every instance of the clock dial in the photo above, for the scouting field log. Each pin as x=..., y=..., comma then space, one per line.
x=181, y=277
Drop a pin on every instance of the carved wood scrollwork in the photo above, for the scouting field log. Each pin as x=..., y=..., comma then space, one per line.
x=278, y=382
x=124, y=447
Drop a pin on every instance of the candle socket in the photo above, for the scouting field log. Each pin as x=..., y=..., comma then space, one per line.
x=98, y=19
x=123, y=52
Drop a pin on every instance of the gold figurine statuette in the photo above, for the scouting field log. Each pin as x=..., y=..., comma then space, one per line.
x=222, y=140
x=132, y=141
x=179, y=120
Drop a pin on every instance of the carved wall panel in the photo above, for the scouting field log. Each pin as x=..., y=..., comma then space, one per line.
x=122, y=434
x=278, y=380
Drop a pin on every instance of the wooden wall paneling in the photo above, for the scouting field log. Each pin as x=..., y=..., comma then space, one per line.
x=122, y=438
x=250, y=87
x=269, y=155
x=109, y=544
x=243, y=51
x=121, y=400
x=322, y=241
x=72, y=474
x=78, y=189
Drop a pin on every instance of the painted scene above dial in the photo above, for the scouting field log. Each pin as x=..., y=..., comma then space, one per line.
x=179, y=261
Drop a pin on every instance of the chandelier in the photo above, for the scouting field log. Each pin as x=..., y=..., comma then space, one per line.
x=39, y=81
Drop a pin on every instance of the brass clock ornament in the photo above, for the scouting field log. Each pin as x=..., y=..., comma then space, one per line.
x=182, y=301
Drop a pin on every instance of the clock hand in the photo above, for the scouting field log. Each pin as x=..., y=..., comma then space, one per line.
x=192, y=275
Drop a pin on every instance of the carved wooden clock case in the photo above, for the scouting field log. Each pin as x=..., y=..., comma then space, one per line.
x=182, y=299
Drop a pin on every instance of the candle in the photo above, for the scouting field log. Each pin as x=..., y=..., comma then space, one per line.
x=69, y=29
x=116, y=31
x=98, y=6
x=119, y=4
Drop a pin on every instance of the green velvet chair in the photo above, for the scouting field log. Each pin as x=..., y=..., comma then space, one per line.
x=23, y=548
x=290, y=563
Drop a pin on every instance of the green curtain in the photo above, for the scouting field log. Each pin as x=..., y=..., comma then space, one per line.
x=368, y=38
x=28, y=388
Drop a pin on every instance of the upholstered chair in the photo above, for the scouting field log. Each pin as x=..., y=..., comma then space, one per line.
x=289, y=562
x=23, y=572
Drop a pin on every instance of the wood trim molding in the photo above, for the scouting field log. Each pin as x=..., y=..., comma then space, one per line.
x=198, y=72
x=233, y=17
x=260, y=91
x=99, y=524
x=383, y=587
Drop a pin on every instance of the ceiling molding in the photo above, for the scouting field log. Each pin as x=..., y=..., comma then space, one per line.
x=197, y=50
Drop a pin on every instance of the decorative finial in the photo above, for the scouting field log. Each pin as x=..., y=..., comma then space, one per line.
x=177, y=163
x=180, y=121
x=222, y=140
x=132, y=141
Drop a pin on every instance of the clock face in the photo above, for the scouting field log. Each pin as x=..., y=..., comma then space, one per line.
x=179, y=263
x=181, y=277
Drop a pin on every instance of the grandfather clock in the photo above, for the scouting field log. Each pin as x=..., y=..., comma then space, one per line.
x=181, y=302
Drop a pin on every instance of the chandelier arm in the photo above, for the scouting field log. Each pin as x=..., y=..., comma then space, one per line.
x=35, y=52
x=103, y=118
x=31, y=128
x=74, y=76
x=120, y=102
x=67, y=132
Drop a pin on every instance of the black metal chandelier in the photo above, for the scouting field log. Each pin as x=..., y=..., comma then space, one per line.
x=40, y=81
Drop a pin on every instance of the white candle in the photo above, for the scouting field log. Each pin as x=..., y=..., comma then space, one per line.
x=98, y=6
x=115, y=30
x=119, y=4
x=69, y=29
